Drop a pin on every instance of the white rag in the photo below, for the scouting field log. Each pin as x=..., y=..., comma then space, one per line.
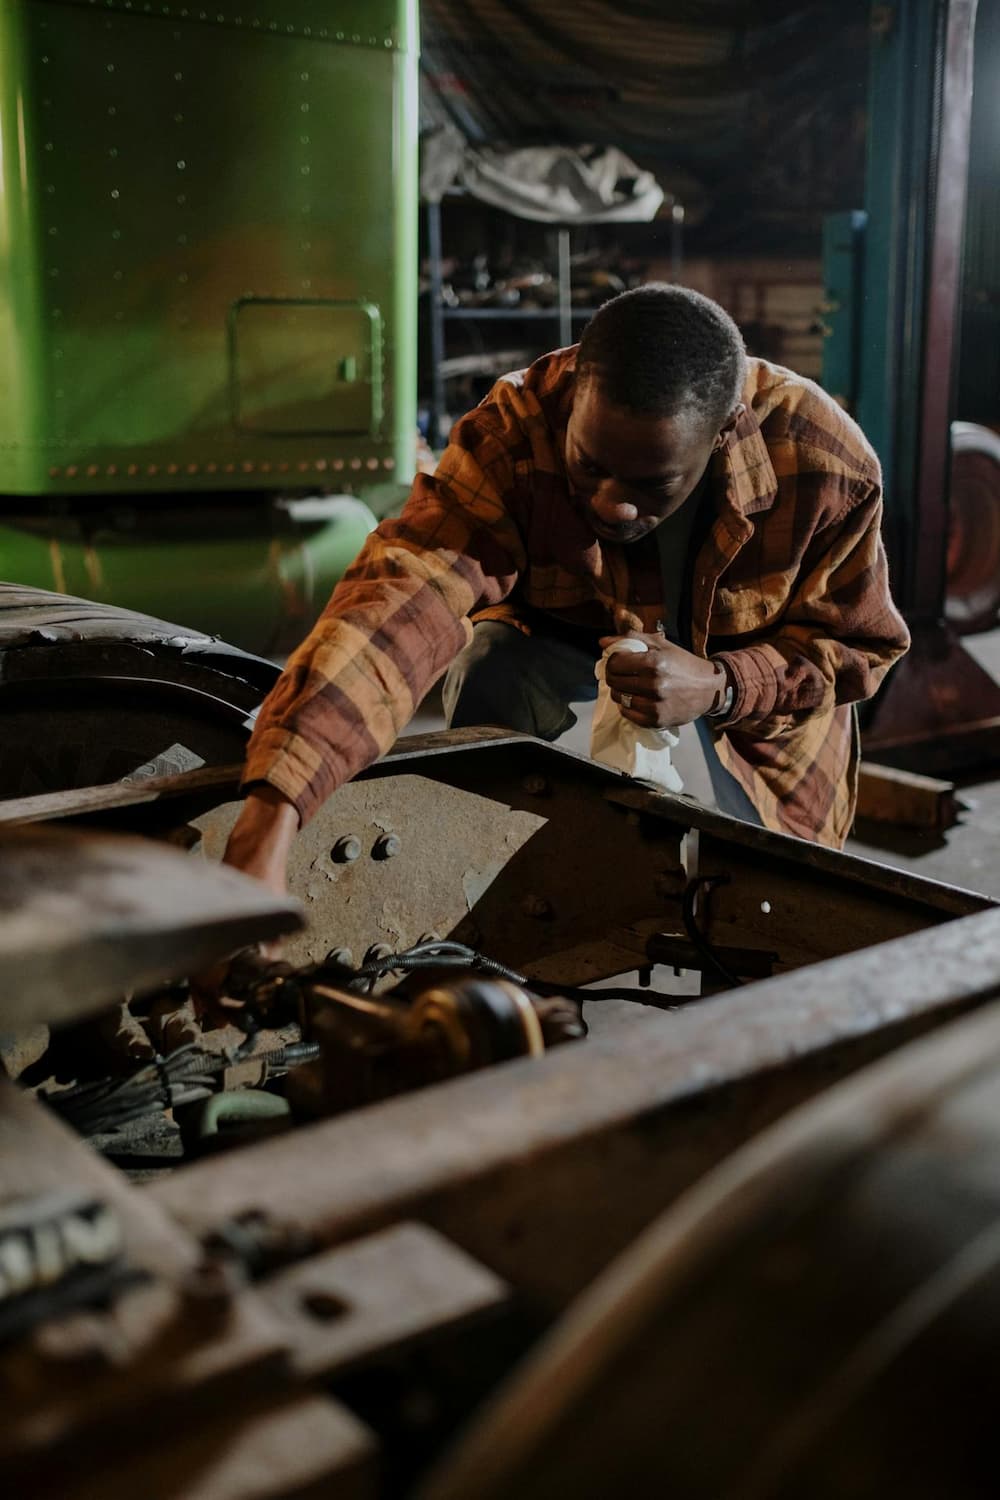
x=615, y=740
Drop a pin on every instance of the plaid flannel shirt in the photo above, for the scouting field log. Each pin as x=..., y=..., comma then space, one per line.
x=788, y=587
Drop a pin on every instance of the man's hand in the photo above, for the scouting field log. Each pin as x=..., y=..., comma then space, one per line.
x=664, y=686
x=259, y=845
x=262, y=836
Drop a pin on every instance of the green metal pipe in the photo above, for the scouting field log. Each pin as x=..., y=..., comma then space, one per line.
x=256, y=574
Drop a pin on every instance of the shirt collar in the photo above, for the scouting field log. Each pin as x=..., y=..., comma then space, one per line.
x=742, y=467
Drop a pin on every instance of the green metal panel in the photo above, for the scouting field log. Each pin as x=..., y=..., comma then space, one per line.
x=170, y=174
x=306, y=367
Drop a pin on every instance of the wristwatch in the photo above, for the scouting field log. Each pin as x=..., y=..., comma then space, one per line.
x=725, y=708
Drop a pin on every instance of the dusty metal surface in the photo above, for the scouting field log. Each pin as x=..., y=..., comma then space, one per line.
x=77, y=803
x=307, y=1447
x=192, y=1380
x=86, y=917
x=544, y=1170
x=560, y=866
x=376, y=1296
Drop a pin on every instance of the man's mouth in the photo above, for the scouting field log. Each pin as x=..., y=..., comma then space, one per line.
x=628, y=531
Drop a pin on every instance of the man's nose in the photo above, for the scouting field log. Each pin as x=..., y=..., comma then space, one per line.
x=610, y=504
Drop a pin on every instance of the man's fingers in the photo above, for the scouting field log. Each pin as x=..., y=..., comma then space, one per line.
x=630, y=668
x=641, y=711
x=642, y=718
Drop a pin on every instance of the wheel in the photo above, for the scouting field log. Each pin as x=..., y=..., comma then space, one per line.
x=90, y=694
x=972, y=600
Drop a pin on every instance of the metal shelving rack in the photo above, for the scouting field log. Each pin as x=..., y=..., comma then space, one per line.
x=563, y=314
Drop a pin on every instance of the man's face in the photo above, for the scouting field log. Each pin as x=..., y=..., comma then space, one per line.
x=631, y=471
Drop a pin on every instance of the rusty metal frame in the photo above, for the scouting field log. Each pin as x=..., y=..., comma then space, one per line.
x=538, y=1171
x=565, y=869
x=544, y=1169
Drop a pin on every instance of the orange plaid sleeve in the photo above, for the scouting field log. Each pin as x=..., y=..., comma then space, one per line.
x=838, y=635
x=395, y=621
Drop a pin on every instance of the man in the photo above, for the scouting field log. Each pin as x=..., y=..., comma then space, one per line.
x=653, y=480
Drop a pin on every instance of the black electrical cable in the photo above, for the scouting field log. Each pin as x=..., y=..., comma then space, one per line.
x=694, y=932
x=447, y=954
x=437, y=954
x=101, y=1107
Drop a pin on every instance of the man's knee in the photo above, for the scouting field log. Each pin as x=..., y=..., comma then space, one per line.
x=498, y=679
x=482, y=683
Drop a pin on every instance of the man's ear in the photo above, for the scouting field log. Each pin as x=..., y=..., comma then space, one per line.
x=729, y=424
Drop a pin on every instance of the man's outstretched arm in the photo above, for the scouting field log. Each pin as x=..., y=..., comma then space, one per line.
x=392, y=626
x=262, y=835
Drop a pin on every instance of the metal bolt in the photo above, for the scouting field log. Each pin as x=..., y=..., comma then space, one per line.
x=536, y=906
x=378, y=950
x=387, y=846
x=535, y=785
x=346, y=850
x=212, y=1284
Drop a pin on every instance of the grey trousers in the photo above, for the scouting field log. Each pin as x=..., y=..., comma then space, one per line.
x=527, y=683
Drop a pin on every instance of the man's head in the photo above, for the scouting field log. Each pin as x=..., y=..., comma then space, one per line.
x=659, y=374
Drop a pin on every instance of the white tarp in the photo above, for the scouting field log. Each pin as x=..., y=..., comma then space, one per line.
x=551, y=184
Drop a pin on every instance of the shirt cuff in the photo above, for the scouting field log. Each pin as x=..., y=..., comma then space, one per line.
x=754, y=681
x=295, y=768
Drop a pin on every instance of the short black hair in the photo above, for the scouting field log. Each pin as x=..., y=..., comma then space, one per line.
x=661, y=349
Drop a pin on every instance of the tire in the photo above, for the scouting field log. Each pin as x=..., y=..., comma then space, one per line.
x=972, y=598
x=90, y=694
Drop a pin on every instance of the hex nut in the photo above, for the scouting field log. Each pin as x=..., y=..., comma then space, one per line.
x=346, y=850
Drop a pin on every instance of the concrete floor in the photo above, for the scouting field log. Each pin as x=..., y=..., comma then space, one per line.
x=968, y=854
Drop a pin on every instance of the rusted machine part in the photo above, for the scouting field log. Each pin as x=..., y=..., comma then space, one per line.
x=544, y=1170
x=436, y=1025
x=818, y=1317
x=972, y=599
x=149, y=1365
x=939, y=711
